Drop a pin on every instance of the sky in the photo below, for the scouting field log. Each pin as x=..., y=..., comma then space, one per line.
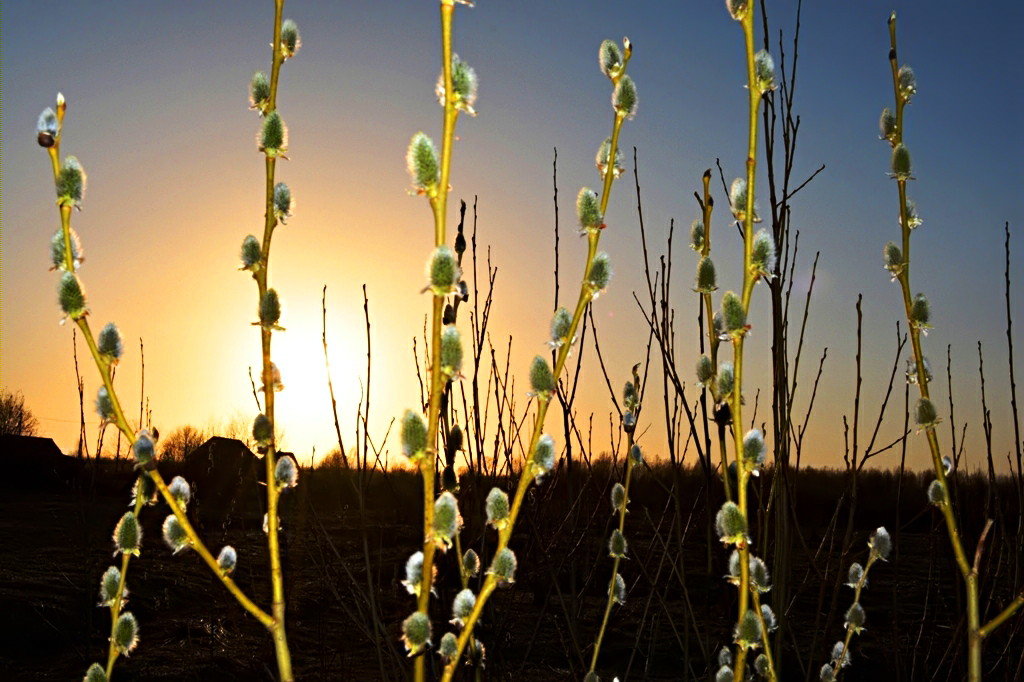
x=158, y=116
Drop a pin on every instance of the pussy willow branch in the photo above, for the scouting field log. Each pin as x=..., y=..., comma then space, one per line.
x=707, y=204
x=115, y=606
x=277, y=627
x=969, y=575
x=543, y=401
x=742, y=474
x=439, y=206
x=850, y=627
x=616, y=560
x=125, y=428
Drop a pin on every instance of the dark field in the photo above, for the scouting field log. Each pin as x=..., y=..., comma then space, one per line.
x=678, y=613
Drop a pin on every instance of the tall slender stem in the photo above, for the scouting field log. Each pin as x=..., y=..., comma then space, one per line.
x=439, y=206
x=543, y=401
x=742, y=472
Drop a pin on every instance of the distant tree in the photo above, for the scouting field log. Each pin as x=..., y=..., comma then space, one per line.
x=15, y=418
x=181, y=443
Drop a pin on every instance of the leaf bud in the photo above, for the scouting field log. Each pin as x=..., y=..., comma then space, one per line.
x=840, y=654
x=447, y=520
x=46, y=128
x=104, y=405
x=707, y=278
x=416, y=632
x=754, y=449
x=270, y=310
x=724, y=674
x=542, y=380
x=449, y=646
x=855, y=618
x=421, y=160
x=464, y=86
x=731, y=524
x=636, y=454
x=733, y=314
x=443, y=271
x=748, y=630
x=126, y=633
x=497, y=508
x=609, y=58
x=227, y=559
x=291, y=41
x=624, y=98
x=826, y=674
x=937, y=493
x=463, y=605
x=618, y=498
x=414, y=435
x=855, y=575
x=57, y=253
x=127, y=535
x=70, y=183
x=893, y=259
x=282, y=202
x=925, y=415
x=604, y=157
x=174, y=534
x=273, y=139
x=95, y=673
x=907, y=82
x=503, y=566
x=763, y=258
x=759, y=578
x=471, y=563
x=900, y=163
x=109, y=584
x=705, y=371
x=262, y=430
x=697, y=235
x=619, y=590
x=286, y=473
x=251, y=253
x=259, y=92
x=761, y=665
x=887, y=124
x=451, y=351
x=764, y=71
x=768, y=616
x=561, y=326
x=543, y=457
x=880, y=543
x=180, y=491
x=920, y=312
x=617, y=545
x=71, y=296
x=726, y=380
x=109, y=343
x=599, y=275
x=588, y=210
x=737, y=8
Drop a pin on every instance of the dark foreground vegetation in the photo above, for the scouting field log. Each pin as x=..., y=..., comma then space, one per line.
x=344, y=569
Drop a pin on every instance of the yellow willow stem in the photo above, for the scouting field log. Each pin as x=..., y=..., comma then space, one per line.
x=543, y=401
x=749, y=279
x=277, y=627
x=709, y=313
x=837, y=665
x=615, y=562
x=124, y=427
x=766, y=641
x=115, y=606
x=968, y=574
x=439, y=206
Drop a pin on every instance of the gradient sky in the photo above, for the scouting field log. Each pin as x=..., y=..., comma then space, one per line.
x=157, y=115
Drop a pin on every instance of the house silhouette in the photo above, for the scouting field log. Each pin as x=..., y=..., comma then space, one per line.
x=35, y=463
